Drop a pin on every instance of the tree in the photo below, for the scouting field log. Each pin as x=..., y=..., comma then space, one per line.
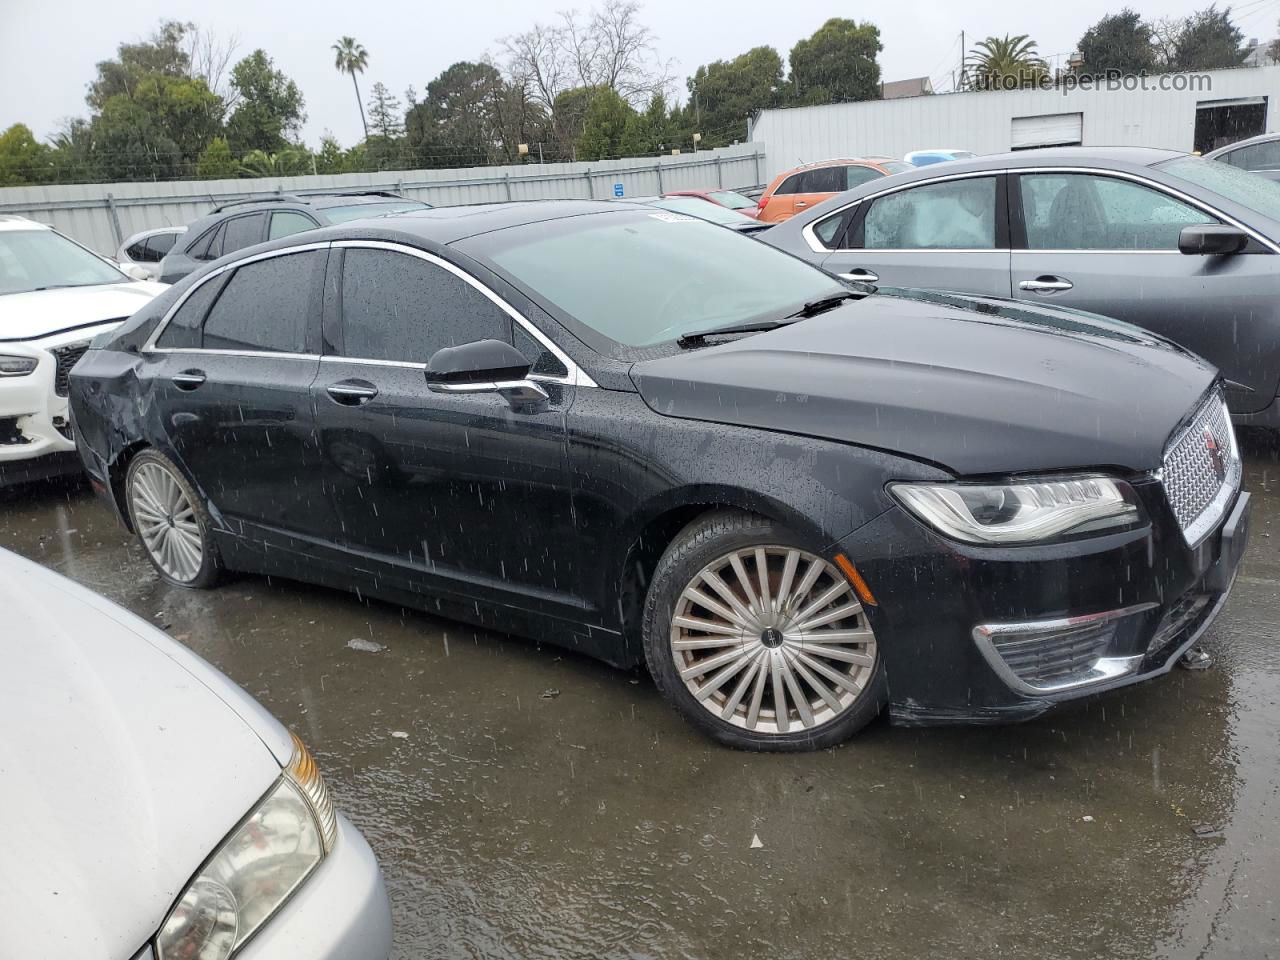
x=24, y=159
x=330, y=159
x=217, y=161
x=652, y=132
x=164, y=54
x=1120, y=42
x=1207, y=40
x=723, y=95
x=1273, y=51
x=1004, y=63
x=268, y=115
x=605, y=127
x=837, y=63
x=384, y=111
x=289, y=162
x=156, y=131
x=350, y=57
x=455, y=124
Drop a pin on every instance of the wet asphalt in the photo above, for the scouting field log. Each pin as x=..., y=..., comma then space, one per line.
x=526, y=802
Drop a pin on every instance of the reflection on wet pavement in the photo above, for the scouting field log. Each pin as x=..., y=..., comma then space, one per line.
x=517, y=821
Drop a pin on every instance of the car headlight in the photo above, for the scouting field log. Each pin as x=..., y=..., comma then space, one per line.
x=256, y=869
x=11, y=366
x=1020, y=512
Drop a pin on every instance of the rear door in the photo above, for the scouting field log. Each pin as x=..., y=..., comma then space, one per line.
x=781, y=204
x=949, y=234
x=1109, y=244
x=232, y=373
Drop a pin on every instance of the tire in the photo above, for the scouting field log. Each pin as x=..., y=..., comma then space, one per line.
x=171, y=522
x=771, y=638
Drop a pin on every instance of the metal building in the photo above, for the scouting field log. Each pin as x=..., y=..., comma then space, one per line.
x=1175, y=111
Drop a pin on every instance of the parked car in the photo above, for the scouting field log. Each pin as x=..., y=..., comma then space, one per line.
x=714, y=213
x=923, y=158
x=146, y=249
x=806, y=186
x=154, y=808
x=1180, y=245
x=724, y=198
x=243, y=223
x=55, y=295
x=1260, y=155
x=646, y=438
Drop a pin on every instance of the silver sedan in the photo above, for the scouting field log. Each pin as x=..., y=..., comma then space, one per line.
x=152, y=809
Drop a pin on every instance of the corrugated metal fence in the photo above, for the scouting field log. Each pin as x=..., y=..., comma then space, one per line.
x=101, y=215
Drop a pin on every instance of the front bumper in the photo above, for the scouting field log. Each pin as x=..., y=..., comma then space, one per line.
x=953, y=621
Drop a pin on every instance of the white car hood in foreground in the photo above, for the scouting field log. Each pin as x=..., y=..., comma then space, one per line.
x=124, y=760
x=40, y=313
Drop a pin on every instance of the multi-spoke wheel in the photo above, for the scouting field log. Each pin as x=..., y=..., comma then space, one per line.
x=170, y=521
x=759, y=640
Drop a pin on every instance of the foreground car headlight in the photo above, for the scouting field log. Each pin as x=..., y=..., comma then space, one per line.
x=1020, y=512
x=256, y=869
x=11, y=366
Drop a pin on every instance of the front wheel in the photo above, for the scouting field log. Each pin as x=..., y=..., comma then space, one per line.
x=759, y=641
x=171, y=521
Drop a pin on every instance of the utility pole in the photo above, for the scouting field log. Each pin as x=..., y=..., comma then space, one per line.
x=963, y=56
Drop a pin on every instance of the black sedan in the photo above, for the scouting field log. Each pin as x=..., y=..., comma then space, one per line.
x=650, y=440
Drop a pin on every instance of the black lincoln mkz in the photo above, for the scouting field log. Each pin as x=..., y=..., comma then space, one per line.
x=647, y=438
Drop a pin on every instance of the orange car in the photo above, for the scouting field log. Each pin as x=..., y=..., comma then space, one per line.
x=795, y=190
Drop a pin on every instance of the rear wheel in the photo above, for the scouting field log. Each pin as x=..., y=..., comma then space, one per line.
x=171, y=521
x=758, y=640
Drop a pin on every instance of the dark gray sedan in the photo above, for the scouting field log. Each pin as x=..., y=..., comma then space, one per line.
x=1260, y=155
x=1177, y=244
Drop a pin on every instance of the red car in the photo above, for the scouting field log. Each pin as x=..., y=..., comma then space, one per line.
x=723, y=198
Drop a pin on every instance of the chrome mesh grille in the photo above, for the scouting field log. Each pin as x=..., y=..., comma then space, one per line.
x=1202, y=470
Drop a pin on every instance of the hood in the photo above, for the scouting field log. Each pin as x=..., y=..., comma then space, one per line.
x=120, y=770
x=976, y=386
x=41, y=313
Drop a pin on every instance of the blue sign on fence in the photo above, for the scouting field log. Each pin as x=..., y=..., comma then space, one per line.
x=617, y=189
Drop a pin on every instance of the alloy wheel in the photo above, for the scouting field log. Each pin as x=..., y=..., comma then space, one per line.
x=166, y=521
x=772, y=639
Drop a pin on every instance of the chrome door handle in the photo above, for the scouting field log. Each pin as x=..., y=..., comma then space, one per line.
x=802, y=203
x=188, y=379
x=1045, y=285
x=859, y=275
x=351, y=393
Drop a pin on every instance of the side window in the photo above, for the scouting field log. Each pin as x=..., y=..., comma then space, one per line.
x=541, y=360
x=265, y=305
x=829, y=230
x=857, y=176
x=137, y=251
x=952, y=215
x=183, y=329
x=789, y=186
x=822, y=180
x=209, y=246
x=1258, y=156
x=159, y=245
x=1087, y=212
x=288, y=222
x=243, y=232
x=401, y=308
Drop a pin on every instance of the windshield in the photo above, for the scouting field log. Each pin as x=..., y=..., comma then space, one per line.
x=358, y=211
x=42, y=260
x=639, y=279
x=1247, y=189
x=702, y=210
x=734, y=201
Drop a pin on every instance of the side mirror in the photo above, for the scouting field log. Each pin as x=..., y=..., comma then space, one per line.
x=484, y=366
x=1211, y=240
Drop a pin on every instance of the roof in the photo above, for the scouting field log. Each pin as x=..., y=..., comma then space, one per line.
x=10, y=222
x=1260, y=138
x=838, y=161
x=1066, y=156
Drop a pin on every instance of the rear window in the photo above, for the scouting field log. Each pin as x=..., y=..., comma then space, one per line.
x=695, y=207
x=734, y=201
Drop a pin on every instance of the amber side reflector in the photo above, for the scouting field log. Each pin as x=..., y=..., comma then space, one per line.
x=854, y=577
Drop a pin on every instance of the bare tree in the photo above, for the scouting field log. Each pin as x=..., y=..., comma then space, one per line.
x=210, y=57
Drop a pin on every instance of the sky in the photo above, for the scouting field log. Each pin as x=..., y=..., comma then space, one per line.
x=48, y=48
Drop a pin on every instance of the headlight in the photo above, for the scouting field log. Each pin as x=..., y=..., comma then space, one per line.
x=256, y=869
x=11, y=366
x=1020, y=512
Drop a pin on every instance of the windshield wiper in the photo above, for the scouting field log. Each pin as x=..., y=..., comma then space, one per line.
x=822, y=304
x=698, y=336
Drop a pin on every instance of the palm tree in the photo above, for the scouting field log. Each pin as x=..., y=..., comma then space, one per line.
x=350, y=57
x=1004, y=63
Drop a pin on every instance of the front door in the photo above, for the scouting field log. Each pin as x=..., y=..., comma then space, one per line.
x=945, y=235
x=1110, y=245
x=461, y=492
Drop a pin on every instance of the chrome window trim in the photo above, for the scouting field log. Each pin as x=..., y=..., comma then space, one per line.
x=576, y=375
x=811, y=239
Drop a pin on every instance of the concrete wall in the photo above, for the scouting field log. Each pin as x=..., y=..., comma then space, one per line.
x=982, y=121
x=101, y=215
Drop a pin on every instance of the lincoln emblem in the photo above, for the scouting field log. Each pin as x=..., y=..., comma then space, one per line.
x=1215, y=454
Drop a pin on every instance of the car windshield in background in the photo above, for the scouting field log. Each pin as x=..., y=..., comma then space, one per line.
x=640, y=279
x=44, y=260
x=696, y=207
x=358, y=211
x=1247, y=189
x=734, y=201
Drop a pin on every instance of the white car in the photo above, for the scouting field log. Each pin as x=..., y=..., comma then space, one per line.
x=150, y=809
x=55, y=296
x=143, y=251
